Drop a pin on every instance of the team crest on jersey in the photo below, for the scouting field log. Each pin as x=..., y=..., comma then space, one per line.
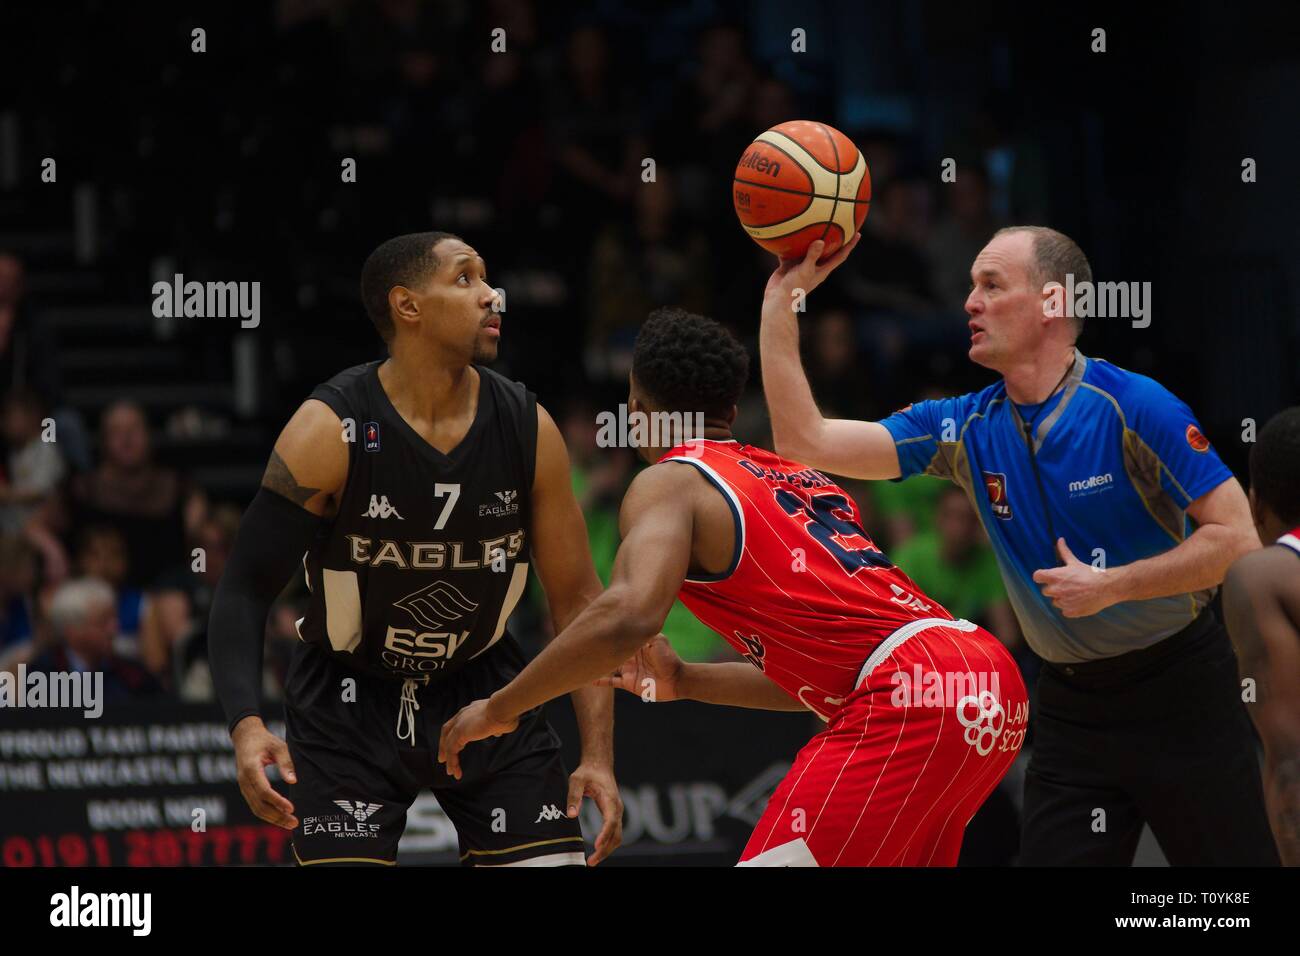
x=995, y=483
x=1196, y=439
x=371, y=431
x=507, y=503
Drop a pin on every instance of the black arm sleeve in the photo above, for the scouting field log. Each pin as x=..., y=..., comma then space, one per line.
x=268, y=549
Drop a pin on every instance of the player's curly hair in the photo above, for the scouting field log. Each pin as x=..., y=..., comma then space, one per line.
x=1275, y=466
x=689, y=363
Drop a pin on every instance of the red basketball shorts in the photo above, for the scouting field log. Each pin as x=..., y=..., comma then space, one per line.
x=936, y=720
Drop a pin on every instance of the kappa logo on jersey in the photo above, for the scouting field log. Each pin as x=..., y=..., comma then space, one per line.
x=1196, y=439
x=982, y=717
x=361, y=812
x=380, y=508
x=756, y=649
x=823, y=713
x=907, y=599
x=509, y=505
x=372, y=436
x=995, y=483
x=549, y=812
x=437, y=604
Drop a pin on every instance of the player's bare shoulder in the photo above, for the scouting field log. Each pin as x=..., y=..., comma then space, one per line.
x=1264, y=571
x=675, y=485
x=309, y=463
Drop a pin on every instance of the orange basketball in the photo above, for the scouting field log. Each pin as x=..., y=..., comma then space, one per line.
x=799, y=182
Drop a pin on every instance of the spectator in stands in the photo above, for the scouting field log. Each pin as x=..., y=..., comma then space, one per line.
x=101, y=554
x=955, y=565
x=29, y=360
x=966, y=227
x=597, y=146
x=833, y=369
x=27, y=353
x=637, y=267
x=154, y=507
x=34, y=466
x=17, y=597
x=83, y=620
x=175, y=636
x=890, y=272
x=600, y=476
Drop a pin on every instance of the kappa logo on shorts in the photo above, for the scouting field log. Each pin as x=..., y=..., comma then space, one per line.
x=361, y=812
x=983, y=717
x=549, y=812
x=995, y=483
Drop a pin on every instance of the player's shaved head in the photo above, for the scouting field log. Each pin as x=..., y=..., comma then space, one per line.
x=1275, y=467
x=403, y=260
x=685, y=362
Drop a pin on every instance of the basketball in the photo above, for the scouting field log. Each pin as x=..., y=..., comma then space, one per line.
x=799, y=182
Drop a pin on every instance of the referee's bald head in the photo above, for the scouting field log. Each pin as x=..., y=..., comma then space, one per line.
x=1053, y=257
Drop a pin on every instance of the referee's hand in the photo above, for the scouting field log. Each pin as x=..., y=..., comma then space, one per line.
x=1077, y=589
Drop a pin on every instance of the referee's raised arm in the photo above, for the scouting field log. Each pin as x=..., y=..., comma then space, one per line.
x=854, y=449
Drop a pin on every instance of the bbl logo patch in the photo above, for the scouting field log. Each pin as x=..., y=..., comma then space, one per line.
x=1198, y=441
x=372, y=436
x=995, y=483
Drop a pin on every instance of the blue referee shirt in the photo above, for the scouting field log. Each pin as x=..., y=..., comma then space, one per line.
x=1115, y=461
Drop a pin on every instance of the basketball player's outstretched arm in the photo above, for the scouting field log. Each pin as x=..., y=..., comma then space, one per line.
x=1267, y=640
x=840, y=446
x=657, y=523
x=307, y=470
x=562, y=557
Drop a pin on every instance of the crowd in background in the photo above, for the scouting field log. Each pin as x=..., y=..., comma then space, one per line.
x=589, y=161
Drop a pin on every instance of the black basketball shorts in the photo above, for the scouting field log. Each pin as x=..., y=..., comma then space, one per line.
x=357, y=779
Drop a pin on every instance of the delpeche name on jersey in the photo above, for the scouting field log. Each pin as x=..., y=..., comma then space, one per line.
x=808, y=478
x=435, y=555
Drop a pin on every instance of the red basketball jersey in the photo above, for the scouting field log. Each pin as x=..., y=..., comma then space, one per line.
x=808, y=595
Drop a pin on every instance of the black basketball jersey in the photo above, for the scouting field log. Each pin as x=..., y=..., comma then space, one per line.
x=428, y=554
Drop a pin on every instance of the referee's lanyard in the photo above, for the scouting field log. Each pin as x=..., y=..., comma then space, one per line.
x=1028, y=428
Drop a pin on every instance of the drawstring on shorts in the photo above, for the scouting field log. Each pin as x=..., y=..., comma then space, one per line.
x=406, y=709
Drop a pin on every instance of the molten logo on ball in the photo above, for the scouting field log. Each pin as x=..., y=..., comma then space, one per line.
x=799, y=182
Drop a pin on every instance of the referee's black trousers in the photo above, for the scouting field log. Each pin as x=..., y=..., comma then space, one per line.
x=1160, y=736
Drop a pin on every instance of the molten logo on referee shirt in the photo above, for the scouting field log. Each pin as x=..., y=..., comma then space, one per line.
x=995, y=483
x=1197, y=440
